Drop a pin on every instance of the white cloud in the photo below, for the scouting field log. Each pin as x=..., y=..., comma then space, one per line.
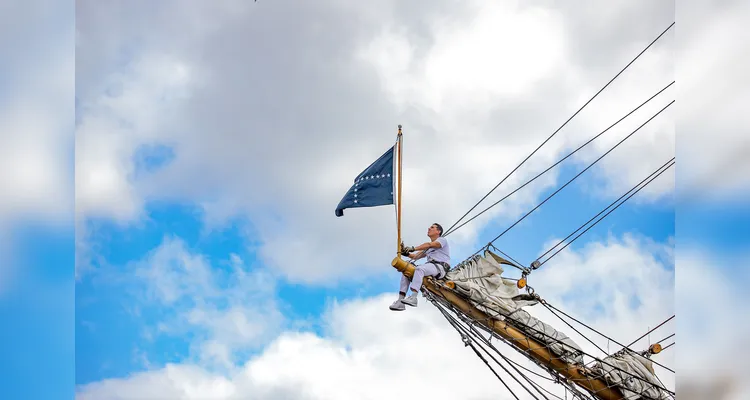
x=371, y=352
x=713, y=324
x=473, y=64
x=713, y=125
x=134, y=105
x=36, y=123
x=277, y=128
x=36, y=119
x=228, y=307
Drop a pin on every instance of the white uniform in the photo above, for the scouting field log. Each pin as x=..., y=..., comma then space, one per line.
x=429, y=269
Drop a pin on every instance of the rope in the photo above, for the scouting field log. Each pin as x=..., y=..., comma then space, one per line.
x=535, y=385
x=561, y=160
x=579, y=174
x=659, y=342
x=525, y=327
x=514, y=364
x=555, y=341
x=651, y=177
x=546, y=304
x=472, y=333
x=576, y=330
x=468, y=342
x=657, y=327
x=565, y=123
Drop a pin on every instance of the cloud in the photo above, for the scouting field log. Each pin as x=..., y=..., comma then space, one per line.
x=36, y=123
x=368, y=351
x=713, y=126
x=705, y=276
x=270, y=113
x=226, y=307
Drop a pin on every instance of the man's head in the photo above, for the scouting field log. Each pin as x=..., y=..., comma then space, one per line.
x=434, y=231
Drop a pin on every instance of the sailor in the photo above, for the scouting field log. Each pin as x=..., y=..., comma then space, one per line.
x=438, y=256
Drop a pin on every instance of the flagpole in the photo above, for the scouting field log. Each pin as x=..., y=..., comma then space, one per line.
x=398, y=204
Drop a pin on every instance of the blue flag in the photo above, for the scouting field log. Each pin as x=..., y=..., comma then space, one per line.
x=373, y=187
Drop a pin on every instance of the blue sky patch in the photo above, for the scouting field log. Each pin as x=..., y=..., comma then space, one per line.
x=38, y=310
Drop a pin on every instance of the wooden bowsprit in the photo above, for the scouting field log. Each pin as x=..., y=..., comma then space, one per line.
x=576, y=374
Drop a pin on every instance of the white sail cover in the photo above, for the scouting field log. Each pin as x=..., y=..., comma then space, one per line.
x=480, y=280
x=628, y=365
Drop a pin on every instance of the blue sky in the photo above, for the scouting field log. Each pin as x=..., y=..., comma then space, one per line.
x=38, y=310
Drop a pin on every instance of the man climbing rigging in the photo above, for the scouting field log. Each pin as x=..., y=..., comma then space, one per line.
x=438, y=256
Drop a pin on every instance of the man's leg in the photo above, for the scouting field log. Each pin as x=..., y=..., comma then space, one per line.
x=404, y=286
x=420, y=272
x=398, y=305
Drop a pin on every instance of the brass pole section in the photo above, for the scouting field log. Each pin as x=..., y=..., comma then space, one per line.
x=398, y=204
x=520, y=340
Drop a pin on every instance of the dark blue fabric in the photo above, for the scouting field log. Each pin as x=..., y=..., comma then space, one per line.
x=373, y=187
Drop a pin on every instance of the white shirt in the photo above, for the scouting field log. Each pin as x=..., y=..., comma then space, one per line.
x=439, y=254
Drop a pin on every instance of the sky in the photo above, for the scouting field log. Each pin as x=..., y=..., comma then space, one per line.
x=172, y=171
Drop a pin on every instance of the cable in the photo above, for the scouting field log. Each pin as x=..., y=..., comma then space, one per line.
x=467, y=336
x=604, y=216
x=565, y=123
x=579, y=174
x=524, y=327
x=468, y=342
x=548, y=305
x=645, y=334
x=665, y=338
x=449, y=231
x=605, y=209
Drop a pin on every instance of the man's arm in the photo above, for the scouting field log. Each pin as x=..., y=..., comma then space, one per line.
x=425, y=246
x=422, y=247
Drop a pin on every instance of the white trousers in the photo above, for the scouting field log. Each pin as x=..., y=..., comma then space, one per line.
x=427, y=269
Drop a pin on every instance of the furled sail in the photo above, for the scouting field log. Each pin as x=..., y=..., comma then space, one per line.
x=480, y=281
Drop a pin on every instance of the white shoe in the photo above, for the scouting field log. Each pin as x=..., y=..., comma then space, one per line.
x=411, y=300
x=397, y=306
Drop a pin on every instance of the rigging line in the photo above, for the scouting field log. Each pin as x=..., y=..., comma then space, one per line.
x=605, y=209
x=580, y=173
x=514, y=364
x=456, y=325
x=494, y=372
x=665, y=338
x=448, y=232
x=443, y=309
x=576, y=330
x=539, y=388
x=668, y=346
x=471, y=333
x=510, y=362
x=657, y=327
x=554, y=340
x=605, y=215
x=523, y=328
x=547, y=304
x=565, y=123
x=518, y=264
x=468, y=342
x=585, y=337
